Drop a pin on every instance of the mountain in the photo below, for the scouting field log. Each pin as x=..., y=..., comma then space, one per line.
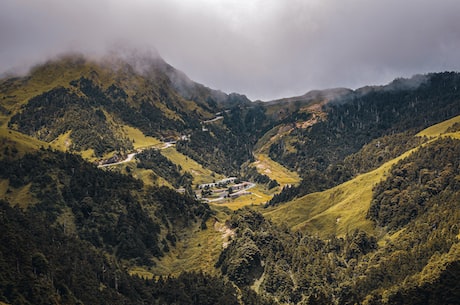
x=92, y=99
x=328, y=153
x=352, y=198
x=386, y=231
x=312, y=96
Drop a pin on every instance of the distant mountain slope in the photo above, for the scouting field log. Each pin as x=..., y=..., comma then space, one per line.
x=398, y=110
x=345, y=207
x=93, y=100
x=326, y=94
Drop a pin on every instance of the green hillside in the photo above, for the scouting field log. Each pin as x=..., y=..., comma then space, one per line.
x=329, y=152
x=386, y=237
x=101, y=108
x=344, y=208
x=122, y=181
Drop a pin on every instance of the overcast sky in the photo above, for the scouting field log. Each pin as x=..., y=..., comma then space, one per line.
x=265, y=49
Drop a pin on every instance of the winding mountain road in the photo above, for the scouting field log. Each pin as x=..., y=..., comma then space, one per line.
x=131, y=156
x=128, y=158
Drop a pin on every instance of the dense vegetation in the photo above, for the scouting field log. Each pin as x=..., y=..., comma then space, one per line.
x=294, y=267
x=162, y=166
x=430, y=172
x=59, y=111
x=217, y=149
x=418, y=266
x=109, y=210
x=40, y=264
x=357, y=119
x=230, y=144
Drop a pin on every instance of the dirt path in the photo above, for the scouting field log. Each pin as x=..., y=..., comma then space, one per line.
x=227, y=233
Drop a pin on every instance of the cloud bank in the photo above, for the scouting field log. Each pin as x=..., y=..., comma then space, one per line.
x=265, y=49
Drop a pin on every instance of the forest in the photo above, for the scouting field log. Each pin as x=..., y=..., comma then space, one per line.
x=229, y=145
x=111, y=211
x=330, y=152
x=42, y=265
x=154, y=160
x=301, y=268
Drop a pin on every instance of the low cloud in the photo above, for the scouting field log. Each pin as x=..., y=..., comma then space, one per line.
x=265, y=49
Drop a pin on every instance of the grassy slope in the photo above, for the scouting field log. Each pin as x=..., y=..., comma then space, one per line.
x=23, y=144
x=265, y=165
x=439, y=129
x=259, y=195
x=334, y=211
x=344, y=207
x=63, y=142
x=42, y=79
x=196, y=250
x=139, y=139
x=200, y=174
x=21, y=197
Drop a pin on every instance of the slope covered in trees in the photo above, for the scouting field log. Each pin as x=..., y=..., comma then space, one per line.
x=95, y=100
x=327, y=153
x=416, y=212
x=40, y=264
x=409, y=191
x=111, y=211
x=229, y=144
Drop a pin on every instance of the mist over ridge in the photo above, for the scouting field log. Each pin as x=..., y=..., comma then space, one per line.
x=264, y=49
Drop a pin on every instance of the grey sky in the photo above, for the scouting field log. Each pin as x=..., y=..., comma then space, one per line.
x=262, y=48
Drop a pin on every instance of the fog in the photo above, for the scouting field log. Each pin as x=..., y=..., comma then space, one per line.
x=265, y=49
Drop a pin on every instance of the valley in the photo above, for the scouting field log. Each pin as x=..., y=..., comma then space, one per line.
x=119, y=184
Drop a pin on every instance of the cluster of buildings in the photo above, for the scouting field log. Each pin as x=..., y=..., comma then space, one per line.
x=217, y=191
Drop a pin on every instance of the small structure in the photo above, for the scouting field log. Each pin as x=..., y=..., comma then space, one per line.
x=185, y=138
x=218, y=183
x=240, y=186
